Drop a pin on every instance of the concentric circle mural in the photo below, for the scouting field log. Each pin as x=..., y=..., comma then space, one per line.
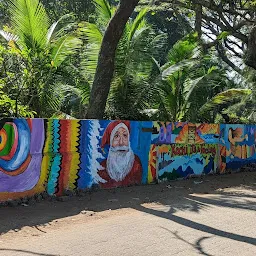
x=21, y=144
x=14, y=149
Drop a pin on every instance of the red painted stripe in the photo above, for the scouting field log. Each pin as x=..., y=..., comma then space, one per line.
x=65, y=132
x=29, y=121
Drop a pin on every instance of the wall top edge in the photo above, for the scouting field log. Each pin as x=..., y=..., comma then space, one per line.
x=6, y=119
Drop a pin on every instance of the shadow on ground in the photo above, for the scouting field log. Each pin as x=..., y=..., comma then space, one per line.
x=26, y=252
x=232, y=191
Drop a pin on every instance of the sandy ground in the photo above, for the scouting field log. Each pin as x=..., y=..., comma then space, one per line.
x=215, y=215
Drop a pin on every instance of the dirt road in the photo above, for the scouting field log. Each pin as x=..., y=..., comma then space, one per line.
x=212, y=216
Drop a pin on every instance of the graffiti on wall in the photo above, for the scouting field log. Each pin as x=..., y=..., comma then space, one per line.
x=161, y=133
x=122, y=166
x=20, y=164
x=208, y=133
x=152, y=164
x=57, y=155
x=104, y=153
x=237, y=146
x=39, y=155
x=188, y=133
x=183, y=160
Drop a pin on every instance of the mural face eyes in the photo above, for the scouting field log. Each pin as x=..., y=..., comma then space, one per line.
x=121, y=138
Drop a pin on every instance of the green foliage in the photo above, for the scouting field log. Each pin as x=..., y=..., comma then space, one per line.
x=64, y=46
x=223, y=35
x=41, y=49
x=224, y=98
x=48, y=65
x=192, y=80
x=30, y=23
x=10, y=107
x=83, y=9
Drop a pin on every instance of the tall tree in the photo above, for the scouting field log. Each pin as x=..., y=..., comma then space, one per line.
x=132, y=86
x=106, y=61
x=227, y=25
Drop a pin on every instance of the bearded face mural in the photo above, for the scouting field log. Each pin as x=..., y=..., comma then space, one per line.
x=122, y=167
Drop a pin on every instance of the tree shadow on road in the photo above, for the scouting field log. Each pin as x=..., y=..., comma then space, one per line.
x=184, y=195
x=194, y=225
x=197, y=245
x=25, y=252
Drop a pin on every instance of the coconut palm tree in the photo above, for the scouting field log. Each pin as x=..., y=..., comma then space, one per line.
x=131, y=88
x=191, y=83
x=44, y=48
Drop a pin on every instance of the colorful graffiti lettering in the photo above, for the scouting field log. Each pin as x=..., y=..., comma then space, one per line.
x=180, y=161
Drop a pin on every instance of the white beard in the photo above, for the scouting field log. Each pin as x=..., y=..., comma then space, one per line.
x=119, y=163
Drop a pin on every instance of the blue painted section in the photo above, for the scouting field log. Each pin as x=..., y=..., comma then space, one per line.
x=209, y=138
x=56, y=136
x=191, y=164
x=181, y=161
x=140, y=143
x=84, y=180
x=56, y=159
x=239, y=141
x=54, y=174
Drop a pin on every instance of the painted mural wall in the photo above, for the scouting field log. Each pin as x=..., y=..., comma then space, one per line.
x=38, y=155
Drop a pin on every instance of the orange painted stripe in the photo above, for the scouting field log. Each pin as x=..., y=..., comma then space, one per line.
x=20, y=170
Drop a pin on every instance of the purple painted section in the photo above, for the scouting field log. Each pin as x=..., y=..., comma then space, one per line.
x=28, y=179
x=37, y=136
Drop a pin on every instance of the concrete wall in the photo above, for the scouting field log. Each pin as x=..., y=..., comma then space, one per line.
x=38, y=155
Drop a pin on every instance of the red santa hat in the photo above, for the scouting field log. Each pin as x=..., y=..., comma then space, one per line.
x=112, y=129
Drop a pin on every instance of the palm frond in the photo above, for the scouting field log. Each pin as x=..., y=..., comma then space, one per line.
x=53, y=31
x=30, y=23
x=54, y=96
x=9, y=36
x=94, y=37
x=103, y=10
x=183, y=49
x=223, y=98
x=169, y=69
x=85, y=91
x=158, y=45
x=64, y=47
x=136, y=23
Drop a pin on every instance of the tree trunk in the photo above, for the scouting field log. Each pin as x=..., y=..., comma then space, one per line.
x=250, y=58
x=106, y=62
x=198, y=21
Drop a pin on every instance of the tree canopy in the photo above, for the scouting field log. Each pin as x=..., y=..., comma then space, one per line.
x=175, y=60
